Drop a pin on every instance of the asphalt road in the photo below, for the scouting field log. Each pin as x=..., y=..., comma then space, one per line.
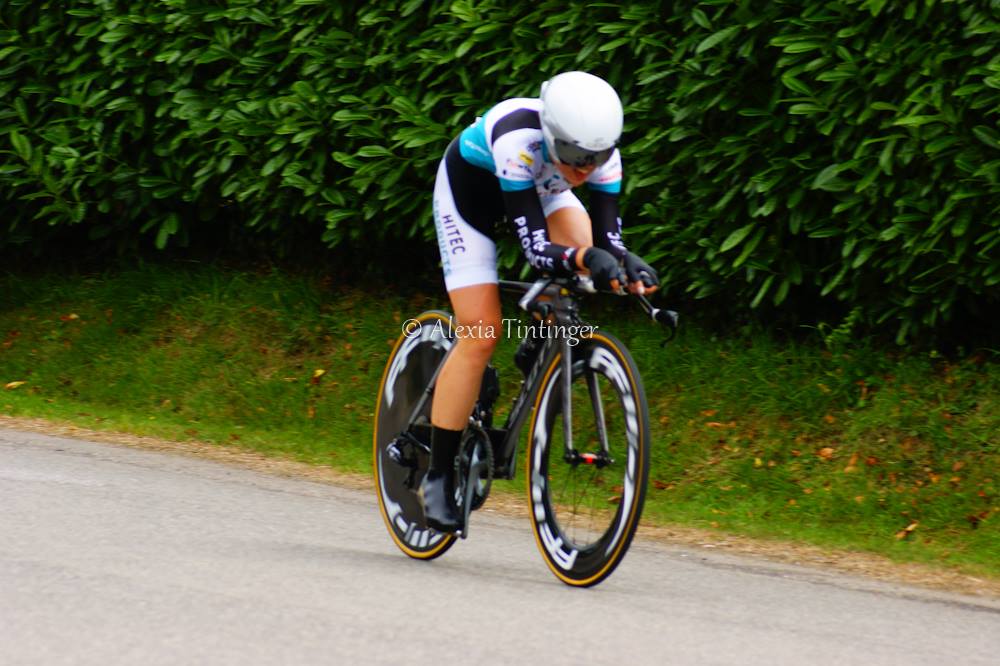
x=111, y=555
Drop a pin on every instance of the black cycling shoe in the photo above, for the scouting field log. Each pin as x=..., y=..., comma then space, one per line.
x=438, y=492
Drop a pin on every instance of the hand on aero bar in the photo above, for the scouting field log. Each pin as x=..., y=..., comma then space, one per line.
x=642, y=277
x=604, y=269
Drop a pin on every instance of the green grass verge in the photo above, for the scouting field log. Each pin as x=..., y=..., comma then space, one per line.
x=837, y=444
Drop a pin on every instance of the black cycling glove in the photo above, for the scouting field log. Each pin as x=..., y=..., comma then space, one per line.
x=638, y=270
x=603, y=268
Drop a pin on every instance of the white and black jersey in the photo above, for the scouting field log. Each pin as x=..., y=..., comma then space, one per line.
x=499, y=166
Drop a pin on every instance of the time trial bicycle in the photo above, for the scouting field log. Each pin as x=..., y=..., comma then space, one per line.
x=587, y=462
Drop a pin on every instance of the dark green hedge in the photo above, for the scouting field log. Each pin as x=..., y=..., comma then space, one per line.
x=777, y=152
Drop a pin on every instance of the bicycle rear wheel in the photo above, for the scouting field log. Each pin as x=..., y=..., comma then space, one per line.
x=585, y=510
x=411, y=366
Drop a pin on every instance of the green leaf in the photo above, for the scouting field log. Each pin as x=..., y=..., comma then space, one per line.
x=701, y=18
x=717, y=38
x=464, y=48
x=116, y=35
x=21, y=145
x=885, y=157
x=862, y=256
x=167, y=229
x=987, y=135
x=763, y=291
x=828, y=179
x=782, y=293
x=614, y=44
x=917, y=121
x=736, y=237
x=805, y=109
x=374, y=151
x=273, y=165
x=804, y=46
x=867, y=180
x=832, y=284
x=939, y=144
x=795, y=84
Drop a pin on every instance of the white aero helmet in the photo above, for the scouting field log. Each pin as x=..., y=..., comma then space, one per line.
x=581, y=119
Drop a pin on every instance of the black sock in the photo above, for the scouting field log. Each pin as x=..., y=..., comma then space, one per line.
x=444, y=448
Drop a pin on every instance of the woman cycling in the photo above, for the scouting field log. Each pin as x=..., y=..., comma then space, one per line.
x=521, y=160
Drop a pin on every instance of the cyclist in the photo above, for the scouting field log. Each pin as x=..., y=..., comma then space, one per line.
x=521, y=159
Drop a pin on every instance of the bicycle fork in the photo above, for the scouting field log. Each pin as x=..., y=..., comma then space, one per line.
x=602, y=458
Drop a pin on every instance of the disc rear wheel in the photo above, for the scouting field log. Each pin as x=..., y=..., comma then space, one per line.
x=399, y=469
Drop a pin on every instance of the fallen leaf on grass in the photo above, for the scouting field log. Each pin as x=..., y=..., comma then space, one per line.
x=10, y=386
x=906, y=531
x=826, y=453
x=317, y=375
x=975, y=519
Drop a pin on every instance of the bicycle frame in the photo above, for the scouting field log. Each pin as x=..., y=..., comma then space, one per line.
x=562, y=307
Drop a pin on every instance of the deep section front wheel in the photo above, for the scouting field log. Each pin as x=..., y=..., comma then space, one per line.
x=399, y=470
x=586, y=503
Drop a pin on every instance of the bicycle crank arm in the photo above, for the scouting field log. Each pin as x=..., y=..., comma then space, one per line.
x=467, y=505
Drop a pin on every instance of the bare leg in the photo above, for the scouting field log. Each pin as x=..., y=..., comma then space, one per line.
x=477, y=310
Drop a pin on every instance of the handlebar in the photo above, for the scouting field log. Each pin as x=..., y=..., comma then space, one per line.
x=580, y=283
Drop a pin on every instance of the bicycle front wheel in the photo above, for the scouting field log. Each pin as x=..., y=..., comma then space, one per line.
x=585, y=506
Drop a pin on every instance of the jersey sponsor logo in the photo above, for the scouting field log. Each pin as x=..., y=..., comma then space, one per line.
x=539, y=241
x=526, y=158
x=531, y=251
x=610, y=177
x=615, y=239
x=516, y=166
x=472, y=145
x=452, y=235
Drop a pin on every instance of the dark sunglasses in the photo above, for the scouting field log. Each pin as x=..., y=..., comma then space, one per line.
x=581, y=158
